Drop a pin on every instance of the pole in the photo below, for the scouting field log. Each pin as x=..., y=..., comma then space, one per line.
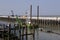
x=8, y=27
x=23, y=33
x=20, y=31
x=26, y=34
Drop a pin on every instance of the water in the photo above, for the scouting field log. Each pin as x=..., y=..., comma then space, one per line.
x=48, y=36
x=38, y=34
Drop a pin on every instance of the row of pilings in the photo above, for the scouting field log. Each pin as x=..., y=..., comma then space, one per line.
x=17, y=32
x=9, y=35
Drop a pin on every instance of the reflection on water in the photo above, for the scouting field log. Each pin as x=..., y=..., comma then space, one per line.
x=40, y=35
x=45, y=36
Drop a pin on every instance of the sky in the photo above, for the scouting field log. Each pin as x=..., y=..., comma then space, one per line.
x=19, y=7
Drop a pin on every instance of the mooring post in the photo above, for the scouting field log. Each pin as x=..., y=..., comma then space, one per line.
x=23, y=33
x=3, y=31
x=9, y=30
x=33, y=33
x=8, y=27
x=19, y=31
x=15, y=25
x=26, y=33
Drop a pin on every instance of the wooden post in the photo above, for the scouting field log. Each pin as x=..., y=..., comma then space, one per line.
x=23, y=33
x=19, y=31
x=33, y=33
x=8, y=27
x=26, y=34
x=14, y=29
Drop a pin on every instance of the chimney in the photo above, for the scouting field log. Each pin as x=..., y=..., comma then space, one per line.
x=30, y=13
x=38, y=13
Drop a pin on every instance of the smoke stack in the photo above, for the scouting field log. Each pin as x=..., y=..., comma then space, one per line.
x=37, y=13
x=30, y=13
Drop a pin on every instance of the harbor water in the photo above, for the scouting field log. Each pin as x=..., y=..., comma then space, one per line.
x=39, y=35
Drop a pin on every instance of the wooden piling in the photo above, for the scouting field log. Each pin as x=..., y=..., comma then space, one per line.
x=22, y=33
x=26, y=34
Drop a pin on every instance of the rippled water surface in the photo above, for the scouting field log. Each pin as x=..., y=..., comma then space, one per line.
x=40, y=35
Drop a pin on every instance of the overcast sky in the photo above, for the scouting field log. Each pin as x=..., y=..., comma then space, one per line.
x=47, y=7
